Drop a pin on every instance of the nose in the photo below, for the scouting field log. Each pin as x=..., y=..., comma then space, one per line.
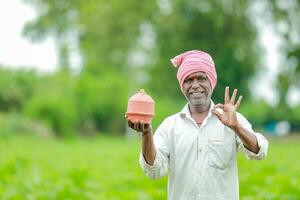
x=195, y=84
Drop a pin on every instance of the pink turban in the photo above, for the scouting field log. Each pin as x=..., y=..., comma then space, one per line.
x=195, y=61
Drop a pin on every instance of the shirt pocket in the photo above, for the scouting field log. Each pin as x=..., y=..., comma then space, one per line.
x=220, y=153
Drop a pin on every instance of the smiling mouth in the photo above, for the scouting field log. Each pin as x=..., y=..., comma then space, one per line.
x=197, y=94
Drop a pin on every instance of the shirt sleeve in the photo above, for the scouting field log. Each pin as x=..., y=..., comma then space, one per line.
x=261, y=141
x=161, y=162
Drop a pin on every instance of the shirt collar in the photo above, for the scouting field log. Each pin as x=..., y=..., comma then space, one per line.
x=185, y=112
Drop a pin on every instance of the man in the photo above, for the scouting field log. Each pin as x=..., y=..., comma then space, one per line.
x=197, y=147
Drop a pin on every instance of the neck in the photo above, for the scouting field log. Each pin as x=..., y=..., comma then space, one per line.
x=199, y=113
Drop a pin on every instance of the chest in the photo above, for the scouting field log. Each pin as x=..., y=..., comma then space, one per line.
x=211, y=144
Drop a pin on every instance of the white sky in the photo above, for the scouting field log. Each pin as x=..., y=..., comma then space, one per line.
x=16, y=51
x=264, y=85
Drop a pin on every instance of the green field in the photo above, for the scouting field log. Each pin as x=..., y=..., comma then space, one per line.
x=108, y=168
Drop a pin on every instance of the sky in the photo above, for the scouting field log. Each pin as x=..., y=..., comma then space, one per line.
x=17, y=51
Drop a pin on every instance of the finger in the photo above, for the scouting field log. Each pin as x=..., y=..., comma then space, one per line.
x=138, y=126
x=239, y=101
x=226, y=100
x=147, y=126
x=219, y=105
x=233, y=96
x=135, y=125
x=130, y=124
x=215, y=112
x=142, y=126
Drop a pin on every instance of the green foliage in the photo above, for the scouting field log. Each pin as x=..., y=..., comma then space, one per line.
x=54, y=103
x=220, y=28
x=63, y=102
x=16, y=87
x=165, y=107
x=108, y=168
x=85, y=169
x=285, y=18
x=258, y=112
x=272, y=178
x=106, y=31
x=295, y=122
x=15, y=124
x=85, y=103
x=101, y=101
x=110, y=34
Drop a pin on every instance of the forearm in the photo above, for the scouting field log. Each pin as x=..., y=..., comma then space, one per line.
x=148, y=148
x=249, y=140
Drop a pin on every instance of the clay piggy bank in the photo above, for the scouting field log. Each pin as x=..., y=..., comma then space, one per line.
x=140, y=107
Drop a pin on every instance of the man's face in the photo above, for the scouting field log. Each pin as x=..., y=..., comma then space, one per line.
x=196, y=87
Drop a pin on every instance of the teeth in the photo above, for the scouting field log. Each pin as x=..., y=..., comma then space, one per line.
x=197, y=93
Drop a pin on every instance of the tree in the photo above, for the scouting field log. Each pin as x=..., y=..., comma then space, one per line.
x=220, y=28
x=110, y=33
x=106, y=31
x=285, y=15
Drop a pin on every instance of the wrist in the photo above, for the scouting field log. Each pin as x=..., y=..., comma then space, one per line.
x=146, y=133
x=236, y=128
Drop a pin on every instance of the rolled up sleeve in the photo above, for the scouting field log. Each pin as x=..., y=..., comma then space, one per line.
x=159, y=167
x=263, y=148
x=261, y=141
x=161, y=162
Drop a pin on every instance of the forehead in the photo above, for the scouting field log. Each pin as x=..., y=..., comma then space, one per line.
x=196, y=74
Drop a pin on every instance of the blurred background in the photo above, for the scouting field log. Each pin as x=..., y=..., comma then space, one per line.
x=68, y=67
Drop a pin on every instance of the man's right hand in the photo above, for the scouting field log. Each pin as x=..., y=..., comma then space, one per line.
x=148, y=147
x=140, y=126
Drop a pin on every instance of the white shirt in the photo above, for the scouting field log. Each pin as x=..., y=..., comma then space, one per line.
x=200, y=161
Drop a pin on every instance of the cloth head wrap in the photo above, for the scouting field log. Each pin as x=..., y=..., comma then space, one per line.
x=195, y=61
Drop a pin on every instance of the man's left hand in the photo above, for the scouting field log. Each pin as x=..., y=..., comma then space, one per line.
x=228, y=117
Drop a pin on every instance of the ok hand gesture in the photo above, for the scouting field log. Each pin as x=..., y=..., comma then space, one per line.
x=228, y=117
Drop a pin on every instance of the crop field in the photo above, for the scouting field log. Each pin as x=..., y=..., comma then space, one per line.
x=107, y=168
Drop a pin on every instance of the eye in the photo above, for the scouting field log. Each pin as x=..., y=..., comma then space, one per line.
x=188, y=80
x=202, y=78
